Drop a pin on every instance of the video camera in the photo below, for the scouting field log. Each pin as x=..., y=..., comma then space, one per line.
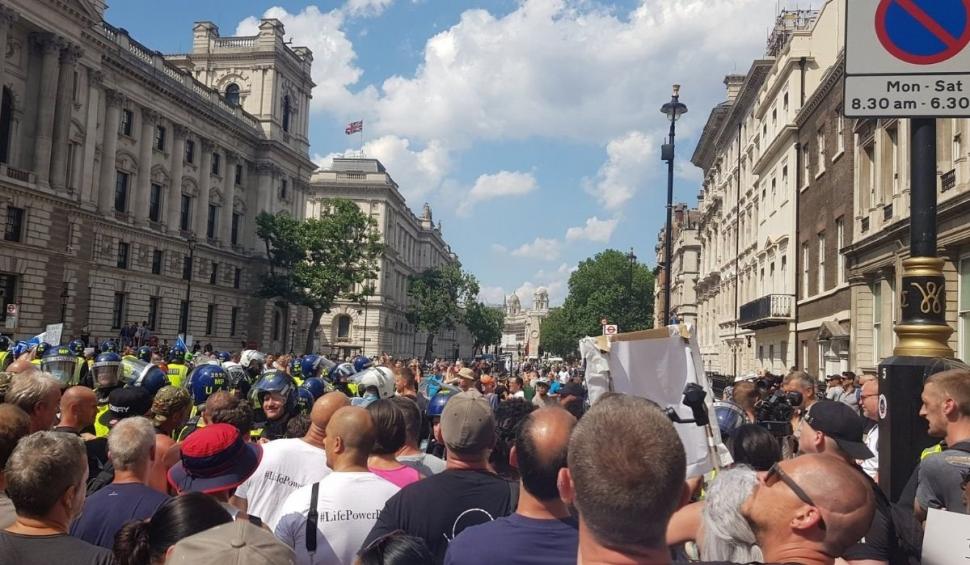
x=694, y=395
x=774, y=413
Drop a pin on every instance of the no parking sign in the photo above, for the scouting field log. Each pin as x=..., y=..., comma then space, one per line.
x=907, y=58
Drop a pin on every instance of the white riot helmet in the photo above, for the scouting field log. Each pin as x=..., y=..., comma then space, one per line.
x=380, y=378
x=250, y=355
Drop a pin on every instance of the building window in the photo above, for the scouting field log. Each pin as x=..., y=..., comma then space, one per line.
x=869, y=173
x=152, y=312
x=820, y=142
x=184, y=316
x=840, y=131
x=8, y=293
x=840, y=243
x=283, y=187
x=892, y=136
x=805, y=262
x=214, y=273
x=806, y=168
x=876, y=321
x=287, y=110
x=157, y=262
x=126, y=120
x=236, y=277
x=210, y=317
x=189, y=151
x=185, y=212
x=239, y=171
x=118, y=311
x=14, y=230
x=187, y=268
x=821, y=261
x=343, y=327
x=121, y=192
x=957, y=146
x=233, y=317
x=277, y=328
x=122, y=255
x=216, y=158
x=234, y=235
x=160, y=138
x=210, y=229
x=964, y=310
x=6, y=120
x=232, y=94
x=155, y=203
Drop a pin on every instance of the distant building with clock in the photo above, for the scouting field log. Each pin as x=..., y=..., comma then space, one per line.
x=523, y=328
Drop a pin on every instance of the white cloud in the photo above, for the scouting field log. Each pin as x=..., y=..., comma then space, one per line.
x=499, y=248
x=498, y=185
x=366, y=7
x=541, y=248
x=629, y=159
x=418, y=172
x=493, y=295
x=595, y=229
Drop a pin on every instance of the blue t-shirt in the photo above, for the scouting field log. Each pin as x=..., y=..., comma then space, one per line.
x=516, y=540
x=110, y=508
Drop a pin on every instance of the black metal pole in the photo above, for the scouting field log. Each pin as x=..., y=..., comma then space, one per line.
x=923, y=196
x=669, y=228
x=184, y=330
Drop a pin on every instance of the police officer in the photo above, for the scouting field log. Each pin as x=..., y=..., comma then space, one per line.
x=273, y=398
x=295, y=370
x=202, y=383
x=62, y=364
x=42, y=349
x=177, y=368
x=144, y=354
x=436, y=407
x=107, y=377
x=76, y=348
x=5, y=357
x=342, y=378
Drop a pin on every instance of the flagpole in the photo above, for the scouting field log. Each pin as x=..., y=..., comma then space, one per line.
x=361, y=138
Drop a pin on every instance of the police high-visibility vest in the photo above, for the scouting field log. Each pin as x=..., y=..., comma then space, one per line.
x=177, y=373
x=4, y=360
x=101, y=430
x=938, y=448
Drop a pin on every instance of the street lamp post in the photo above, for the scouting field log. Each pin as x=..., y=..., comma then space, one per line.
x=629, y=289
x=292, y=334
x=64, y=297
x=674, y=110
x=184, y=325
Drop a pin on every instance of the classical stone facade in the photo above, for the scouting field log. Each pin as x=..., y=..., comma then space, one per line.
x=685, y=262
x=413, y=245
x=129, y=180
x=523, y=328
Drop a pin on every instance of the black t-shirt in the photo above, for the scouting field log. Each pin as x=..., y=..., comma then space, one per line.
x=44, y=550
x=97, y=451
x=440, y=507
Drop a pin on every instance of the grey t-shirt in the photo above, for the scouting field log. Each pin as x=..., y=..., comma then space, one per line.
x=426, y=463
x=939, y=480
x=57, y=548
x=8, y=515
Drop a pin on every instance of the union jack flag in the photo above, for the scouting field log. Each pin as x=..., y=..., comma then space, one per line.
x=354, y=127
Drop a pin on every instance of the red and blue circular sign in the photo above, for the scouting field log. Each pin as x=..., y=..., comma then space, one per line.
x=923, y=32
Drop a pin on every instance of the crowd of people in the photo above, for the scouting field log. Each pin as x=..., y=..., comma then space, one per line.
x=142, y=456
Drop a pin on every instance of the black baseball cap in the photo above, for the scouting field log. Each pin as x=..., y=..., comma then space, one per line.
x=125, y=403
x=841, y=423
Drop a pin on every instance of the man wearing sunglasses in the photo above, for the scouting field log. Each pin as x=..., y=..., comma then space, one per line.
x=798, y=517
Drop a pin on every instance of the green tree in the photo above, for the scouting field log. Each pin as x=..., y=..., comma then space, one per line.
x=607, y=286
x=438, y=299
x=313, y=262
x=485, y=324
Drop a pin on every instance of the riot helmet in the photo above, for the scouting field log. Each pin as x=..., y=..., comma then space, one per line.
x=204, y=380
x=274, y=382
x=145, y=354
x=107, y=370
x=61, y=364
x=109, y=347
x=77, y=347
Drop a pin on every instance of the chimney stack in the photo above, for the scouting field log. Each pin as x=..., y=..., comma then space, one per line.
x=733, y=83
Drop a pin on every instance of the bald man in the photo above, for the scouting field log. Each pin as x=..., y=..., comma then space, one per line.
x=798, y=516
x=541, y=530
x=346, y=502
x=79, y=407
x=289, y=464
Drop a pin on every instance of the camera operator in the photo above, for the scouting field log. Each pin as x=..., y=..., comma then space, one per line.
x=804, y=384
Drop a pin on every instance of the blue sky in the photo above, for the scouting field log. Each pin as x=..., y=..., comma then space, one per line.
x=532, y=127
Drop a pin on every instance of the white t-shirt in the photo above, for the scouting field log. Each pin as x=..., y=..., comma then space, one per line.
x=520, y=394
x=347, y=508
x=871, y=465
x=287, y=465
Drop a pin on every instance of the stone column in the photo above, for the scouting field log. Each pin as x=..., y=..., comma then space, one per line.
x=50, y=47
x=228, y=196
x=264, y=200
x=252, y=207
x=109, y=147
x=62, y=120
x=89, y=177
x=143, y=186
x=202, y=204
x=7, y=19
x=173, y=207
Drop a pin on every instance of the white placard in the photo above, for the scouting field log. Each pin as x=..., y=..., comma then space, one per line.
x=946, y=540
x=52, y=334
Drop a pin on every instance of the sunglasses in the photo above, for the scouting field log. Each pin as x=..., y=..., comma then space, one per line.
x=777, y=471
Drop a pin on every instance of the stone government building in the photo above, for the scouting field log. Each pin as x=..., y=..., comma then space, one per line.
x=130, y=180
